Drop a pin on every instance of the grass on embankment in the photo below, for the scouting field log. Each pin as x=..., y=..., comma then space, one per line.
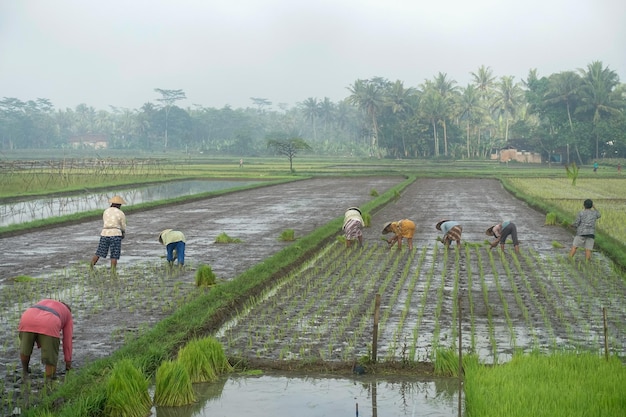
x=558, y=385
x=201, y=316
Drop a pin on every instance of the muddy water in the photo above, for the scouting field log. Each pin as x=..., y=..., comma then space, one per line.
x=283, y=396
x=43, y=208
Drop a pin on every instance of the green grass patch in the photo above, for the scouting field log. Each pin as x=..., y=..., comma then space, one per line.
x=558, y=385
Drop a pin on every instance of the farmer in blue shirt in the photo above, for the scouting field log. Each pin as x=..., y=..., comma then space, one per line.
x=451, y=231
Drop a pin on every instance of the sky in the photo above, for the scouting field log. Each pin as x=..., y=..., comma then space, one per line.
x=115, y=53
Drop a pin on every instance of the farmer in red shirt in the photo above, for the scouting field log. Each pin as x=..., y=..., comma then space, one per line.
x=43, y=324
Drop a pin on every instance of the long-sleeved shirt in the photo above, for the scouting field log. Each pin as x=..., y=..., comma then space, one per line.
x=114, y=222
x=170, y=236
x=51, y=318
x=585, y=222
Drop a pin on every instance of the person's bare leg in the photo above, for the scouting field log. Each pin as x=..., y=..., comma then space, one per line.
x=588, y=254
x=572, y=252
x=410, y=242
x=113, y=266
x=25, y=361
x=50, y=371
x=94, y=260
x=516, y=248
x=361, y=240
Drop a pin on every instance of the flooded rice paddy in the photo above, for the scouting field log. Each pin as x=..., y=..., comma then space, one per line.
x=42, y=208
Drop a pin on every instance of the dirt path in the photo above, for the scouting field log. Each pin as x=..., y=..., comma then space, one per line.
x=106, y=310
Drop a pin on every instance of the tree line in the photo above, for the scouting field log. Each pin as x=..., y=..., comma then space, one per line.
x=578, y=114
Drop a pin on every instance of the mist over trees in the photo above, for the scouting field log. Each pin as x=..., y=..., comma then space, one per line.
x=579, y=114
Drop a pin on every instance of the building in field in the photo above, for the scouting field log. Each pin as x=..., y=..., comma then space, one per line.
x=91, y=140
x=512, y=154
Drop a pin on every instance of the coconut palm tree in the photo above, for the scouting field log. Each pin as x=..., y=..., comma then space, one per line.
x=598, y=95
x=509, y=96
x=398, y=99
x=447, y=90
x=311, y=110
x=368, y=97
x=483, y=81
x=469, y=107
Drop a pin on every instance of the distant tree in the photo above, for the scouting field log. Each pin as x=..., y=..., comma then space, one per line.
x=288, y=147
x=260, y=103
x=168, y=98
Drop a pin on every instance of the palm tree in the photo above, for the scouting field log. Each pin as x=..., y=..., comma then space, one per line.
x=398, y=99
x=469, y=107
x=598, y=95
x=446, y=88
x=432, y=108
x=509, y=96
x=367, y=96
x=483, y=81
x=310, y=110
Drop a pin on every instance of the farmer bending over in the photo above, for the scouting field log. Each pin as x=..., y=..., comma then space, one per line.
x=43, y=324
x=451, y=231
x=401, y=229
x=501, y=232
x=174, y=242
x=353, y=226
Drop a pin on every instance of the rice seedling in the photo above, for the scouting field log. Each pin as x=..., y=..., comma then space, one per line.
x=373, y=192
x=205, y=277
x=173, y=385
x=557, y=244
x=127, y=392
x=224, y=238
x=287, y=235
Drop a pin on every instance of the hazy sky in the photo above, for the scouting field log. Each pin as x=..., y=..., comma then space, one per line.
x=222, y=52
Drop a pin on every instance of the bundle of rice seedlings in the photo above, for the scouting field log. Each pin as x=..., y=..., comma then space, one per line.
x=367, y=219
x=127, y=392
x=224, y=238
x=197, y=362
x=288, y=235
x=173, y=386
x=205, y=276
x=215, y=352
x=550, y=219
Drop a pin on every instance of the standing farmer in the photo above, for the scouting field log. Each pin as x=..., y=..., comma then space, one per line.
x=585, y=225
x=401, y=229
x=113, y=231
x=353, y=226
x=43, y=324
x=451, y=231
x=501, y=231
x=174, y=241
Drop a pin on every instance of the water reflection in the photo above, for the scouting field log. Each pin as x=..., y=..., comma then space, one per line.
x=43, y=208
x=282, y=396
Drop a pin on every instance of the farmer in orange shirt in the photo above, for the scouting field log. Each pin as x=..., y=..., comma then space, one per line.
x=401, y=229
x=43, y=324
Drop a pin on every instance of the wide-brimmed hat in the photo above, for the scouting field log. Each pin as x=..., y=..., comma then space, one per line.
x=162, y=233
x=385, y=228
x=117, y=200
x=439, y=223
x=489, y=232
x=354, y=208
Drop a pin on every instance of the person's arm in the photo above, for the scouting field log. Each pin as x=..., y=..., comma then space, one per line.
x=68, y=333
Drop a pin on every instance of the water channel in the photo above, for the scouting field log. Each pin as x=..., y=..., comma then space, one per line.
x=282, y=396
x=42, y=208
